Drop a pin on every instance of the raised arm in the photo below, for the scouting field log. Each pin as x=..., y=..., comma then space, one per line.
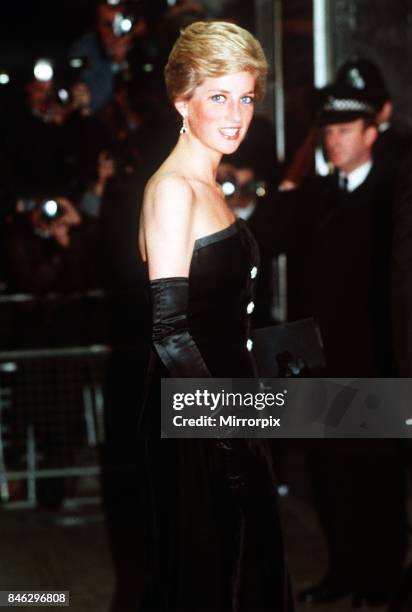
x=168, y=234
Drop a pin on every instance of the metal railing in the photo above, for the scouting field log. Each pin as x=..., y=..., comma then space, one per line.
x=51, y=417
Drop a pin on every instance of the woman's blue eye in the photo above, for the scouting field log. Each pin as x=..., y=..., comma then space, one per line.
x=248, y=99
x=218, y=98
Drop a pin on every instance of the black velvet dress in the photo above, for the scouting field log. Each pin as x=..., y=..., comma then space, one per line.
x=212, y=532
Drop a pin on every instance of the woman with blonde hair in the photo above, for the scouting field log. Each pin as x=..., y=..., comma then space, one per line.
x=213, y=538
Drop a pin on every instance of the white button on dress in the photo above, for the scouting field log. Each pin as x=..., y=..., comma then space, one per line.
x=253, y=272
x=249, y=344
x=250, y=308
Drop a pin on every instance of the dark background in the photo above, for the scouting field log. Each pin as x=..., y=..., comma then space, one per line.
x=46, y=27
x=382, y=31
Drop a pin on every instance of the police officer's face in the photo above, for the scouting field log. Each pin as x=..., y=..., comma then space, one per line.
x=349, y=145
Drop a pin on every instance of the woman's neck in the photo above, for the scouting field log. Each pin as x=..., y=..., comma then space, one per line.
x=195, y=159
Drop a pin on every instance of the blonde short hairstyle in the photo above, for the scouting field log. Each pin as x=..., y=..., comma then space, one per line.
x=212, y=49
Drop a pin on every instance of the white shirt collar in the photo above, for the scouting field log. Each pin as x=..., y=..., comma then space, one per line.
x=384, y=127
x=245, y=212
x=356, y=177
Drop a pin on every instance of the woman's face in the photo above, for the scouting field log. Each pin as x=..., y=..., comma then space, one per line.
x=220, y=110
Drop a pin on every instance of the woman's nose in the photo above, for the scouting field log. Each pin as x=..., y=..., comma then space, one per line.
x=234, y=112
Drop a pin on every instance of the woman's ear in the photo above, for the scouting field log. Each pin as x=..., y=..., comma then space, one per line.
x=181, y=107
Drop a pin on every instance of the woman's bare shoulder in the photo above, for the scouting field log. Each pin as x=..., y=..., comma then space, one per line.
x=168, y=186
x=168, y=205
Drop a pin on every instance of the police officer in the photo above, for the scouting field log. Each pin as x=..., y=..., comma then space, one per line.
x=366, y=78
x=358, y=485
x=392, y=143
x=346, y=236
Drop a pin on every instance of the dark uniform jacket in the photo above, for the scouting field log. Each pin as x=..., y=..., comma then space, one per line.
x=402, y=269
x=343, y=271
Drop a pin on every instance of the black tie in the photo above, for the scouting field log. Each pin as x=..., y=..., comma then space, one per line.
x=344, y=183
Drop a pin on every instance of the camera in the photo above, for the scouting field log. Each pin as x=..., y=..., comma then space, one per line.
x=231, y=187
x=43, y=70
x=62, y=95
x=50, y=209
x=122, y=24
x=124, y=20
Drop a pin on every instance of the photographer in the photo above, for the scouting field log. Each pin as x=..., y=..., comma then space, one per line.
x=45, y=256
x=41, y=248
x=49, y=250
x=118, y=28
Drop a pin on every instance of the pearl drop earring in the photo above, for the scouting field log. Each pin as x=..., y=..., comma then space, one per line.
x=184, y=129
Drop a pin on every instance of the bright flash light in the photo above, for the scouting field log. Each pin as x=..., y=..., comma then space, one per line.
x=228, y=188
x=50, y=208
x=76, y=62
x=122, y=24
x=4, y=78
x=261, y=191
x=126, y=25
x=43, y=70
x=9, y=366
x=283, y=490
x=63, y=95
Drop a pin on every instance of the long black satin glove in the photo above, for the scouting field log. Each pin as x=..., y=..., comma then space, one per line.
x=171, y=337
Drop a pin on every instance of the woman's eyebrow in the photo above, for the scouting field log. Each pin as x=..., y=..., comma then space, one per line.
x=228, y=92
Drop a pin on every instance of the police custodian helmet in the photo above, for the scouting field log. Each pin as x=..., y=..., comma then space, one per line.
x=364, y=75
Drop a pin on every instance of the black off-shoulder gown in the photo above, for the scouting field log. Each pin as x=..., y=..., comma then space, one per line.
x=213, y=541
